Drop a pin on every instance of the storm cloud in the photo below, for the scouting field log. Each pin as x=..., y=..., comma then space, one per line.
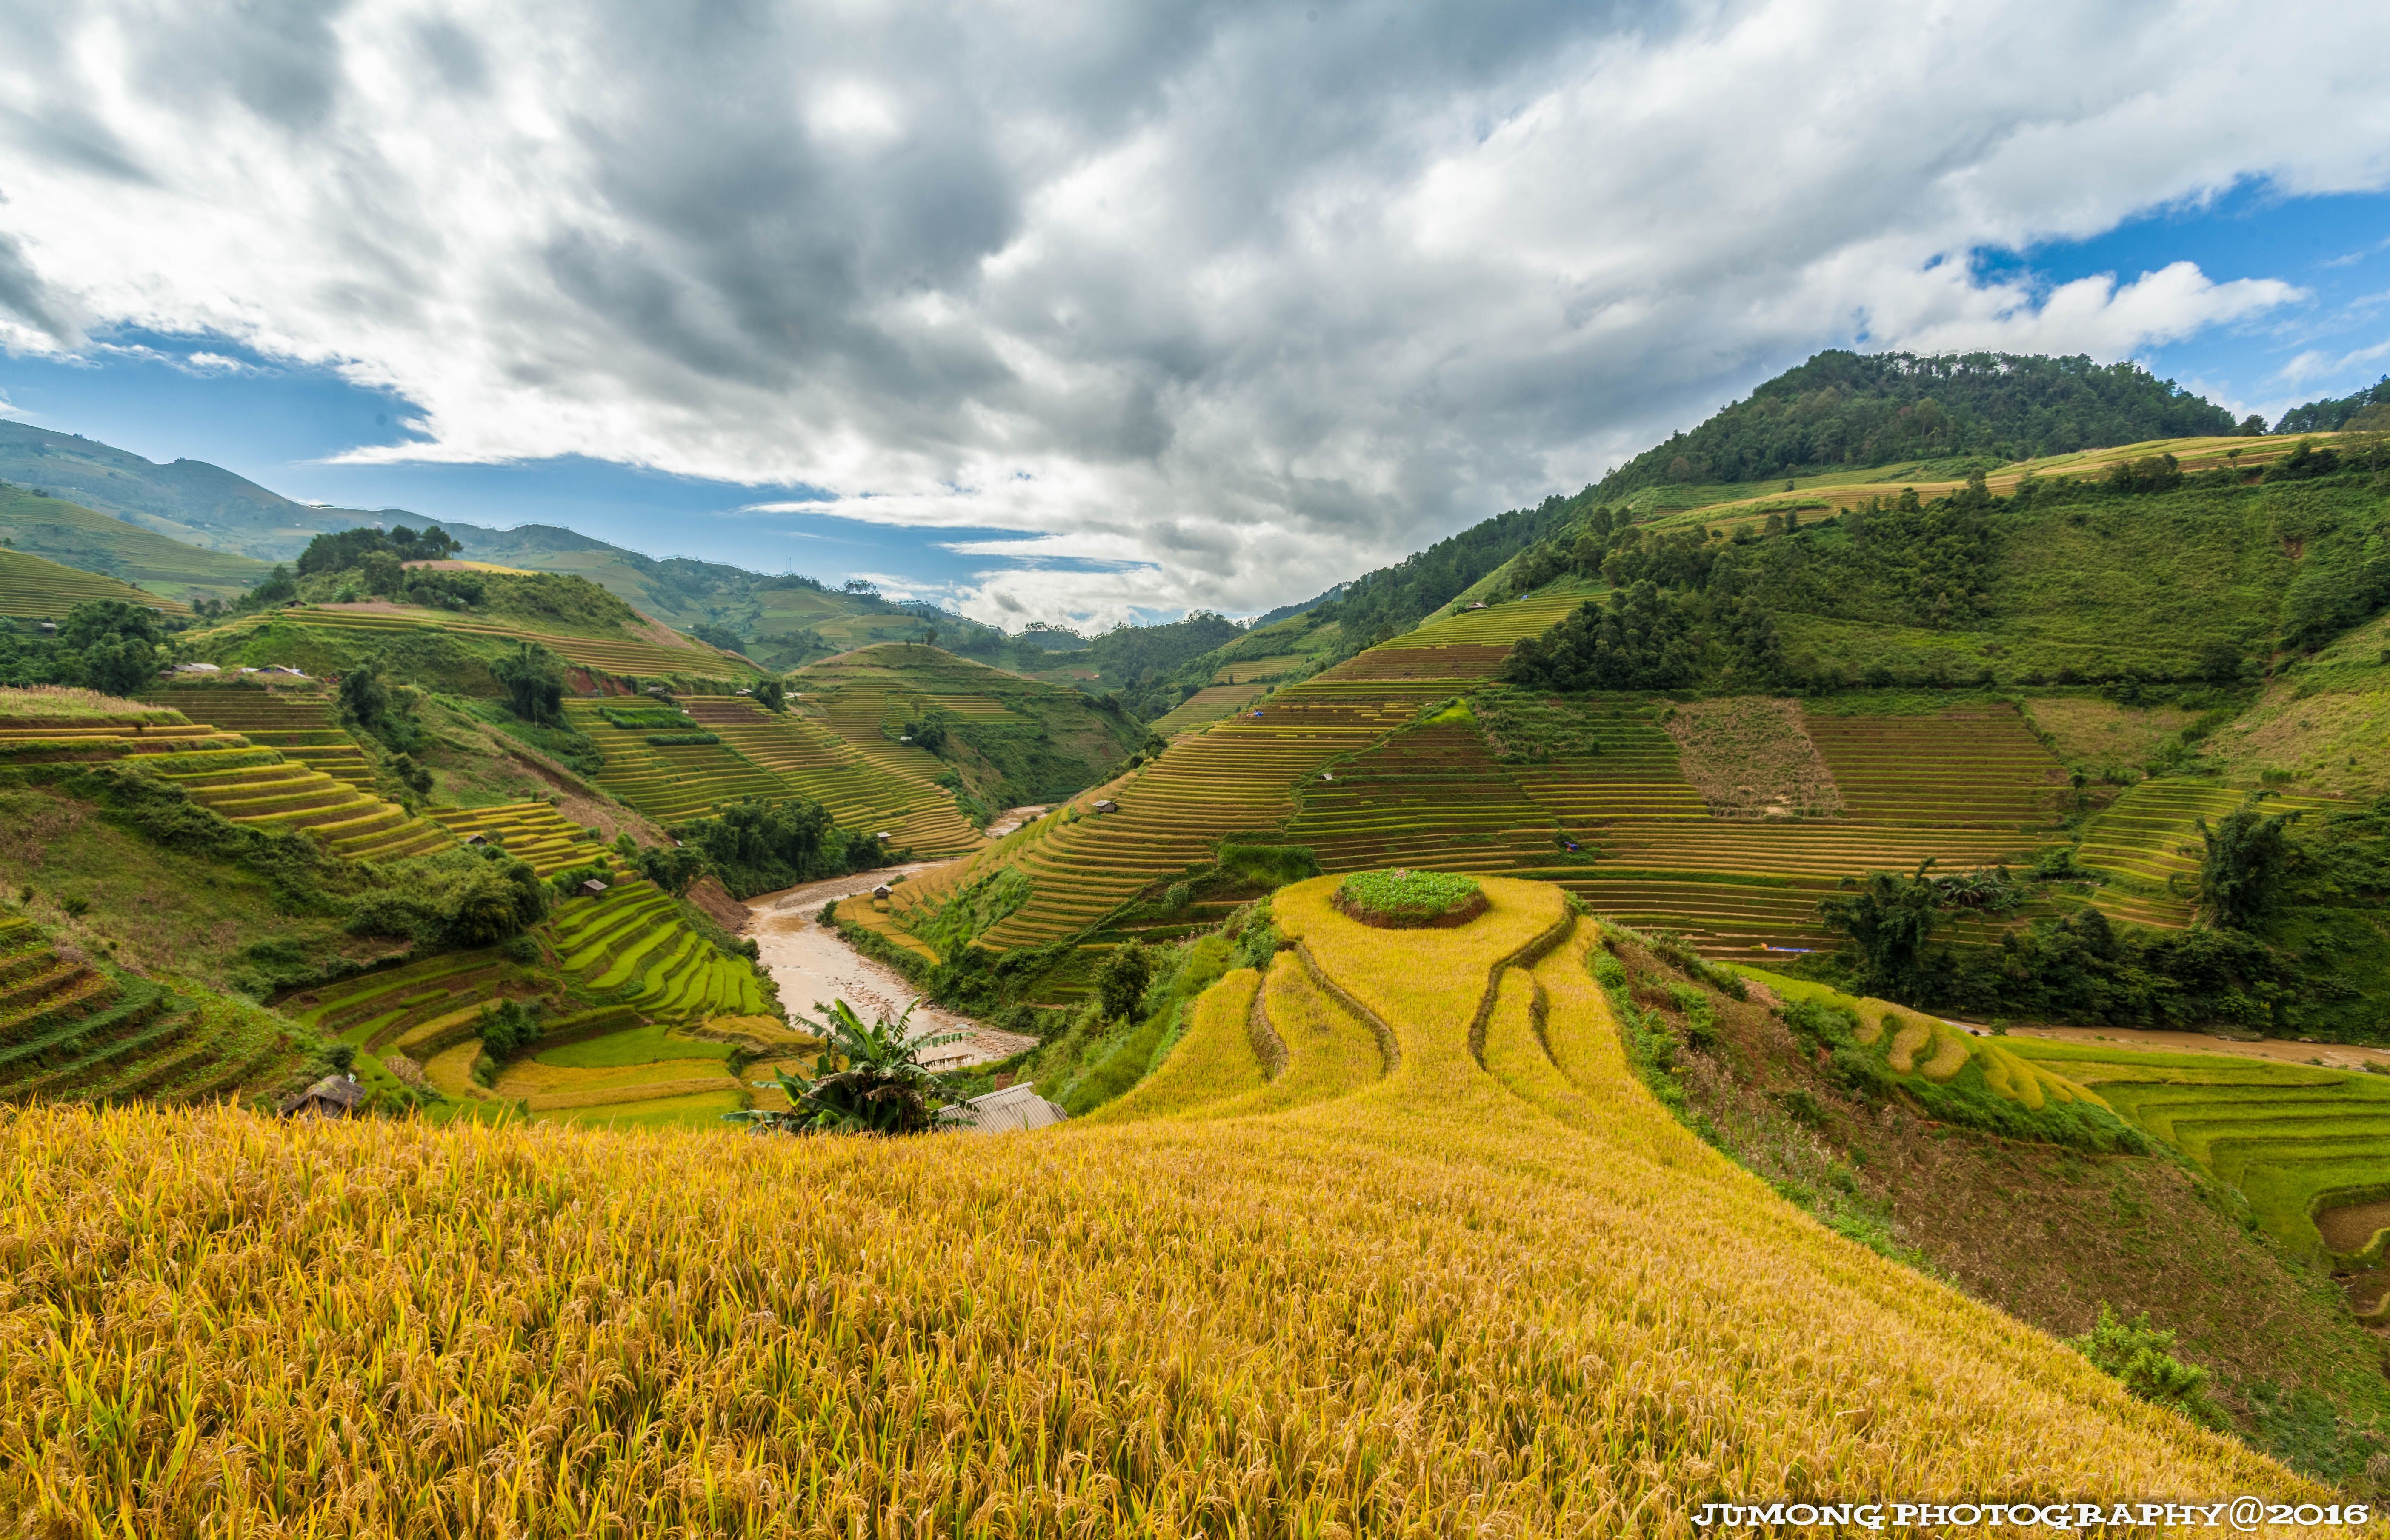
x=1242, y=298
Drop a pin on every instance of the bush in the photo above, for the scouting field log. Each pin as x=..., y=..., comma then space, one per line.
x=2137, y=1354
x=1122, y=980
x=453, y=898
x=1402, y=898
x=507, y=1028
x=533, y=678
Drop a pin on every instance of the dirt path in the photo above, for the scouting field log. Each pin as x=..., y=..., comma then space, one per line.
x=2337, y=1056
x=810, y=963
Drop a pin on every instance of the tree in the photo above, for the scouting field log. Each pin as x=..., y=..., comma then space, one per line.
x=1890, y=918
x=869, y=1079
x=772, y=695
x=1120, y=982
x=534, y=680
x=671, y=867
x=111, y=645
x=2243, y=865
x=364, y=696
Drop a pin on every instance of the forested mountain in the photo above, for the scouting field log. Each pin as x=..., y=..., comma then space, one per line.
x=1843, y=410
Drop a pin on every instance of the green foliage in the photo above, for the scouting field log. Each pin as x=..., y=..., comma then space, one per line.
x=1889, y=918
x=975, y=910
x=339, y=552
x=1846, y=410
x=2139, y=1354
x=365, y=696
x=672, y=867
x=761, y=846
x=772, y=695
x=644, y=718
x=506, y=1027
x=869, y=1079
x=668, y=740
x=721, y=636
x=533, y=678
x=2329, y=416
x=1120, y=980
x=1266, y=867
x=2240, y=869
x=1640, y=640
x=1400, y=896
x=455, y=899
x=2304, y=463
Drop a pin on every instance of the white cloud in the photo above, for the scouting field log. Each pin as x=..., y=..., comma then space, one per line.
x=1252, y=296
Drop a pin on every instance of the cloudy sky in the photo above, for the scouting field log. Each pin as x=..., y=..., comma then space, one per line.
x=1092, y=310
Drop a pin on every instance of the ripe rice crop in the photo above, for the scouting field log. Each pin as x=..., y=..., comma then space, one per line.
x=1434, y=1304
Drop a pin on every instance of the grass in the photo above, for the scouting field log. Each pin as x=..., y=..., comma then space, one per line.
x=1427, y=1305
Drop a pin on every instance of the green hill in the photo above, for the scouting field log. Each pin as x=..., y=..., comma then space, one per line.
x=32, y=588
x=1845, y=410
x=77, y=537
x=191, y=500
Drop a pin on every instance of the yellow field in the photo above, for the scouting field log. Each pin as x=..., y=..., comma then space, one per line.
x=1423, y=1297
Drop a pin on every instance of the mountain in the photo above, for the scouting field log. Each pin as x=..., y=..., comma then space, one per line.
x=1845, y=410
x=189, y=500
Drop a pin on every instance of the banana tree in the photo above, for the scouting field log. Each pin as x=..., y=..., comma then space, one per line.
x=869, y=1079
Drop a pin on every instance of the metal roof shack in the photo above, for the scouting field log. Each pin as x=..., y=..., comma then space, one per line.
x=1015, y=1107
x=332, y=1097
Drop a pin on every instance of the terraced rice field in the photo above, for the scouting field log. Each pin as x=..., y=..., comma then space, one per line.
x=624, y=656
x=1454, y=1272
x=863, y=791
x=634, y=980
x=249, y=785
x=1961, y=769
x=34, y=589
x=1209, y=704
x=2149, y=838
x=2294, y=1138
x=529, y=831
x=669, y=782
x=71, y=1031
x=297, y=725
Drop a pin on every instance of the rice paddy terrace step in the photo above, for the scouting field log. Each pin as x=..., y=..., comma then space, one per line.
x=1976, y=768
x=301, y=725
x=2151, y=832
x=529, y=831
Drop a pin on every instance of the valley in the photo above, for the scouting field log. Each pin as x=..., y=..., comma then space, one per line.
x=1957, y=887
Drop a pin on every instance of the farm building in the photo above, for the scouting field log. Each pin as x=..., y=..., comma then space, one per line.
x=1002, y=1112
x=335, y=1096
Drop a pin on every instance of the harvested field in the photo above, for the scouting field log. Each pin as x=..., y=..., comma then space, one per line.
x=1750, y=757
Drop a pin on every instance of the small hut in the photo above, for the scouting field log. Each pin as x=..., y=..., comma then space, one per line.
x=592, y=887
x=880, y=891
x=333, y=1097
x=1106, y=805
x=1015, y=1107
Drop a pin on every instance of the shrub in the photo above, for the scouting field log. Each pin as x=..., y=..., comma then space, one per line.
x=2138, y=1355
x=1405, y=899
x=1120, y=980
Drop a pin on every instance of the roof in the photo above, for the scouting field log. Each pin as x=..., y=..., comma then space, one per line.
x=338, y=1089
x=1002, y=1112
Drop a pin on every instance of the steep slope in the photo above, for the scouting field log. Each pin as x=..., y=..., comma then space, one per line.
x=1559, y=1236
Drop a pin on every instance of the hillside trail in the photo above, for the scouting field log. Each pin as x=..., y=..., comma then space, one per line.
x=811, y=963
x=2336, y=1055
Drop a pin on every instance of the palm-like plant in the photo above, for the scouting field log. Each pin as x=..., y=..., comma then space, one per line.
x=869, y=1079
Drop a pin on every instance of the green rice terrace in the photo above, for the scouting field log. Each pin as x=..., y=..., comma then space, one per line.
x=635, y=1014
x=231, y=774
x=72, y=1029
x=331, y=637
x=34, y=589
